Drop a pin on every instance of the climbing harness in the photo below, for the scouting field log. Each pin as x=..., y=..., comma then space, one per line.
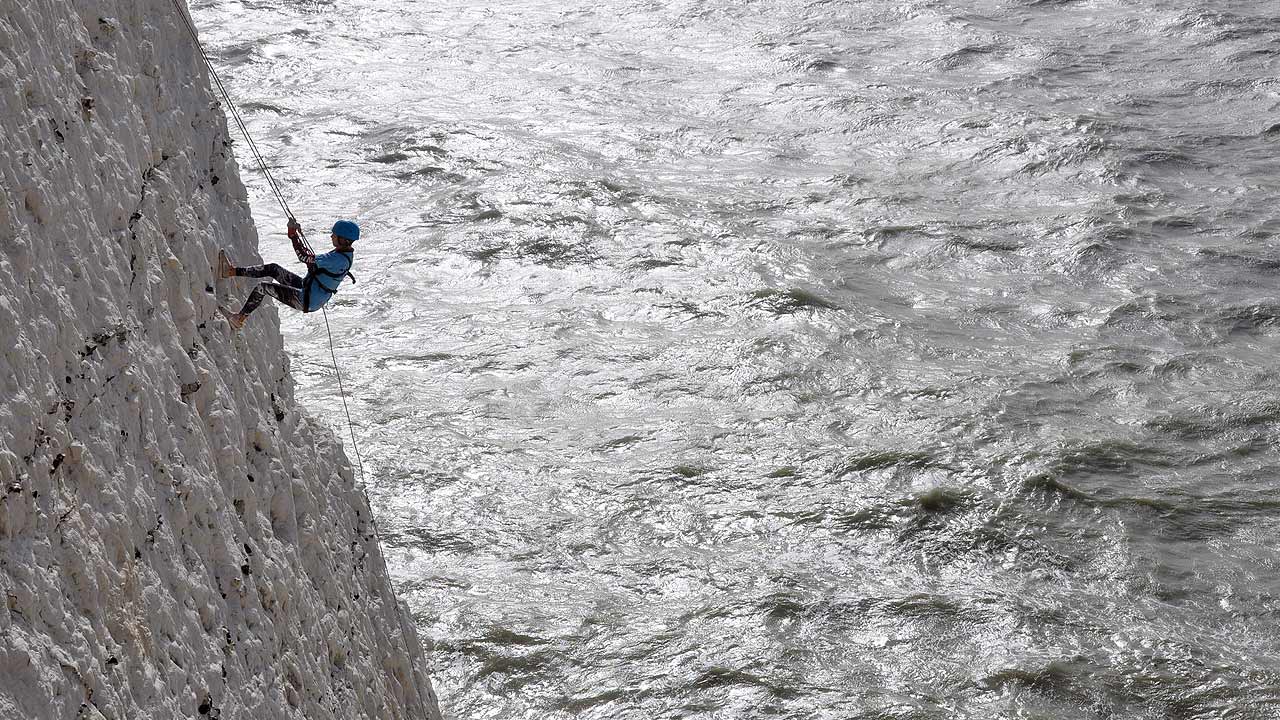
x=284, y=205
x=319, y=272
x=312, y=281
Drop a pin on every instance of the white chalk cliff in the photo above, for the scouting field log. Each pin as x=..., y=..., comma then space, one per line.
x=177, y=537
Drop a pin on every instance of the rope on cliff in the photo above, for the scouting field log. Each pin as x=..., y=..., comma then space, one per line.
x=279, y=196
x=235, y=112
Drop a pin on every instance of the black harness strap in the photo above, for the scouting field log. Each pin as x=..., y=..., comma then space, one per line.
x=314, y=276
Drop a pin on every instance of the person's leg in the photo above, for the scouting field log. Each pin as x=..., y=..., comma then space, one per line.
x=270, y=270
x=287, y=295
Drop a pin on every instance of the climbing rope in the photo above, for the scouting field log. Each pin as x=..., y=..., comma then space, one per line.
x=284, y=205
x=235, y=112
x=343, y=394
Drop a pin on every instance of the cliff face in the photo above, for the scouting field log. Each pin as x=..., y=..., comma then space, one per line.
x=177, y=537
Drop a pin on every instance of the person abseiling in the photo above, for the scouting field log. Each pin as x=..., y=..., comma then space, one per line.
x=308, y=294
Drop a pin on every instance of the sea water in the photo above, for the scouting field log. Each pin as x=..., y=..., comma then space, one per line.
x=781, y=359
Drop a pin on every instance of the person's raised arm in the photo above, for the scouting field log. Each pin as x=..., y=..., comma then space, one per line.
x=299, y=248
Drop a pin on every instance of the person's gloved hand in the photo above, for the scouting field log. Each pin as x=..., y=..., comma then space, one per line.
x=295, y=229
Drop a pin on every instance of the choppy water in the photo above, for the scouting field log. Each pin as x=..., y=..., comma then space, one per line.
x=839, y=359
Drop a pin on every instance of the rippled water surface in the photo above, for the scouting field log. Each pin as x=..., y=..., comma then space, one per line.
x=838, y=359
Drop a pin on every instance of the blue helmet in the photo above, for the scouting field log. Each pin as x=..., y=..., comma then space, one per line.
x=347, y=229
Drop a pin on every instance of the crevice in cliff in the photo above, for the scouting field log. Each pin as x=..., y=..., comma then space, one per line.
x=137, y=214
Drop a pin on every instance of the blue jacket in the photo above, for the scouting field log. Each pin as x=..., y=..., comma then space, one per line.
x=324, y=276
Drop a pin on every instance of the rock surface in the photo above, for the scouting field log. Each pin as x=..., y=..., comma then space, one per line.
x=177, y=537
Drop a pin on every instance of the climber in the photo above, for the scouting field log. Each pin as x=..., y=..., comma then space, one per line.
x=308, y=294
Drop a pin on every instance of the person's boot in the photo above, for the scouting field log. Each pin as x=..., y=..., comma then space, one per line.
x=234, y=319
x=225, y=268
